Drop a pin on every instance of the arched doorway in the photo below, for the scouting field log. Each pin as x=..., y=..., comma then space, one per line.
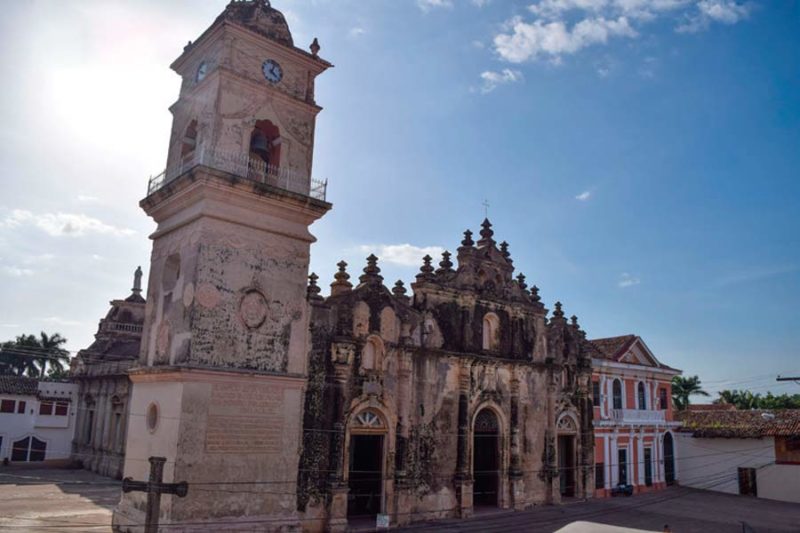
x=567, y=432
x=366, y=465
x=486, y=459
x=669, y=459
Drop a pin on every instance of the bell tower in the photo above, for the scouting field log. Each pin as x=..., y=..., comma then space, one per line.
x=218, y=389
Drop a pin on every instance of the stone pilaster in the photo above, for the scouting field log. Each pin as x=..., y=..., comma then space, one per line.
x=463, y=472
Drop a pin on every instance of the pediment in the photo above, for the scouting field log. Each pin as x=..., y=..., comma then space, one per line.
x=639, y=354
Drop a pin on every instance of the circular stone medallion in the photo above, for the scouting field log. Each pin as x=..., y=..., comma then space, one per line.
x=253, y=309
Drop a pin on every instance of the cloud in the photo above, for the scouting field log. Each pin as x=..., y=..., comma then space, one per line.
x=554, y=39
x=565, y=27
x=626, y=280
x=754, y=274
x=491, y=80
x=480, y=3
x=60, y=321
x=356, y=32
x=708, y=11
x=427, y=5
x=401, y=254
x=16, y=272
x=10, y=326
x=84, y=198
x=584, y=196
x=62, y=224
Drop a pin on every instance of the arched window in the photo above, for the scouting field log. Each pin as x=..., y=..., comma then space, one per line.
x=642, y=397
x=265, y=150
x=491, y=332
x=189, y=142
x=617, y=393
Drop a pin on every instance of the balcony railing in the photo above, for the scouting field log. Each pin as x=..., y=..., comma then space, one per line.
x=245, y=167
x=638, y=416
x=124, y=327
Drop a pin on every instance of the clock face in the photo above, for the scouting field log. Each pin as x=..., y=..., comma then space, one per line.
x=272, y=71
x=201, y=72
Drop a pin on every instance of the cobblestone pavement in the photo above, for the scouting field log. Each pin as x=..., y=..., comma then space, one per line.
x=684, y=510
x=48, y=500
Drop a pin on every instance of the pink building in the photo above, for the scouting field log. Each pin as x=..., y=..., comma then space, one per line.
x=633, y=425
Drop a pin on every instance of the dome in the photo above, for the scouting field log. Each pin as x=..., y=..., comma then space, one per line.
x=260, y=17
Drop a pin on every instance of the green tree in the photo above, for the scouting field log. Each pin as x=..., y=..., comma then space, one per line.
x=745, y=399
x=683, y=388
x=34, y=356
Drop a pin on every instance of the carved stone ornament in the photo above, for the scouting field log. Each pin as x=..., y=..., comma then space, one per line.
x=343, y=353
x=368, y=420
x=566, y=425
x=253, y=309
x=207, y=295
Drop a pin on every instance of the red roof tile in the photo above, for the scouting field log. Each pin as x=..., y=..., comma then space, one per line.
x=19, y=385
x=754, y=423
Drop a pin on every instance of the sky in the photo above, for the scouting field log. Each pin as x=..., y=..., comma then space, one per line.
x=640, y=156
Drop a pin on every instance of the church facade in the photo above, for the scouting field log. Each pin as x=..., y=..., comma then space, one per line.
x=284, y=409
x=103, y=385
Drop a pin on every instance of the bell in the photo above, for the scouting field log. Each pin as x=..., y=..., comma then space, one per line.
x=259, y=144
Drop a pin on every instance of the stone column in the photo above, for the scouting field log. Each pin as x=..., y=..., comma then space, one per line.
x=403, y=498
x=463, y=481
x=515, y=471
x=550, y=466
x=338, y=486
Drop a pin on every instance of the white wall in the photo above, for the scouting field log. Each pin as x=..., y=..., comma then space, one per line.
x=56, y=431
x=713, y=464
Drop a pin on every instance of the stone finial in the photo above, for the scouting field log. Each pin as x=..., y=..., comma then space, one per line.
x=399, y=289
x=372, y=273
x=467, y=239
x=341, y=283
x=313, y=289
x=504, y=249
x=486, y=230
x=137, y=281
x=574, y=320
x=426, y=270
x=315, y=47
x=521, y=281
x=445, y=265
x=558, y=313
x=535, y=294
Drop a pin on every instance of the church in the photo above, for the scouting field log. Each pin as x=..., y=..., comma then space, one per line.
x=286, y=407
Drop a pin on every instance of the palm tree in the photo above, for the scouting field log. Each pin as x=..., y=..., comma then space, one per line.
x=31, y=356
x=683, y=388
x=53, y=353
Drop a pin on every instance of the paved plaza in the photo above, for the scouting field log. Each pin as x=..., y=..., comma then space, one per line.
x=39, y=500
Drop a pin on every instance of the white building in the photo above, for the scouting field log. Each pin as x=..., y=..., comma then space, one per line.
x=752, y=453
x=37, y=419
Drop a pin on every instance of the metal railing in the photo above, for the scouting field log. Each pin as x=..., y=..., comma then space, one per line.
x=638, y=415
x=245, y=167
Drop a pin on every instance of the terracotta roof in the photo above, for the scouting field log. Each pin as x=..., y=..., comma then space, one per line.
x=752, y=424
x=612, y=348
x=19, y=385
x=712, y=407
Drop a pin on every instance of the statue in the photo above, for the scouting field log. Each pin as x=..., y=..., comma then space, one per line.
x=137, y=280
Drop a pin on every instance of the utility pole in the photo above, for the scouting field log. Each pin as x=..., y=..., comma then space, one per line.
x=154, y=488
